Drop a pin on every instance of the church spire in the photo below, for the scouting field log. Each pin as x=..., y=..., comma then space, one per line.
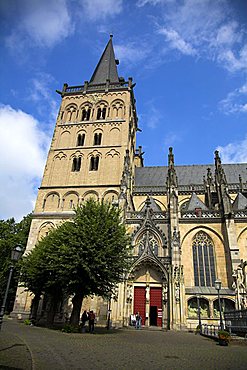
x=107, y=67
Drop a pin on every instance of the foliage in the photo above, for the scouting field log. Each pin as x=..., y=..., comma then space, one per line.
x=68, y=328
x=223, y=334
x=224, y=337
x=81, y=257
x=11, y=234
x=27, y=322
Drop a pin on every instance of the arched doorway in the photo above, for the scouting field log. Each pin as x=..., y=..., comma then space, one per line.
x=149, y=283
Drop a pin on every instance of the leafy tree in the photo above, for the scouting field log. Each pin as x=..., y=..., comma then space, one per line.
x=81, y=257
x=11, y=234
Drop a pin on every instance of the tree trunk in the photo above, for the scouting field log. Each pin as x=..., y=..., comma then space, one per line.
x=54, y=300
x=77, y=303
x=34, y=307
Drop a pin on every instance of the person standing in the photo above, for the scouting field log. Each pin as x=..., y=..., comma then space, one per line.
x=84, y=319
x=138, y=321
x=91, y=320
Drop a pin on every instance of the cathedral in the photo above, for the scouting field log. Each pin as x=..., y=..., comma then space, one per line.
x=188, y=223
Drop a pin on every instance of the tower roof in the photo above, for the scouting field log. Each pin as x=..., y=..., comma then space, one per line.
x=107, y=67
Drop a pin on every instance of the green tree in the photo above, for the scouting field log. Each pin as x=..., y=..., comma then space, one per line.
x=11, y=234
x=88, y=255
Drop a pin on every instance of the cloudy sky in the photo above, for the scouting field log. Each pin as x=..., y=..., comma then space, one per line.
x=187, y=57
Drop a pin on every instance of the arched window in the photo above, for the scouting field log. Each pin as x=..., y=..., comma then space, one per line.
x=226, y=305
x=80, y=139
x=94, y=163
x=76, y=164
x=101, y=113
x=97, y=139
x=86, y=114
x=203, y=260
x=193, y=307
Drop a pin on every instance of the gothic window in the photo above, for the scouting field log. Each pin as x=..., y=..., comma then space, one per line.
x=97, y=139
x=153, y=245
x=141, y=245
x=86, y=114
x=101, y=113
x=76, y=164
x=80, y=139
x=94, y=163
x=203, y=260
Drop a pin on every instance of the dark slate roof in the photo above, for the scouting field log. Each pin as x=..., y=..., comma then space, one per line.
x=240, y=202
x=153, y=205
x=154, y=178
x=195, y=202
x=106, y=68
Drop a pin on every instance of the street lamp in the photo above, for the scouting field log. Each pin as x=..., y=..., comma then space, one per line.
x=217, y=285
x=198, y=296
x=15, y=255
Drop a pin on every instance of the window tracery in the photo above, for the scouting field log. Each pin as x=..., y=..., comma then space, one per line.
x=203, y=260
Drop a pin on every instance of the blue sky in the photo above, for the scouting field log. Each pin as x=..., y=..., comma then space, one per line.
x=187, y=57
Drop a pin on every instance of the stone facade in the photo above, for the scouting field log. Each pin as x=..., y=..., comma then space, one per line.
x=188, y=223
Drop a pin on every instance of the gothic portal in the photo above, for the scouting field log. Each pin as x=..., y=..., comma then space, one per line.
x=188, y=223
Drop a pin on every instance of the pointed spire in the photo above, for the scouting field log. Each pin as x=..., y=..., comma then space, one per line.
x=172, y=177
x=107, y=67
x=219, y=171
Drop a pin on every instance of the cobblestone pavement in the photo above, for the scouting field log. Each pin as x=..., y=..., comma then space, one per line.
x=25, y=347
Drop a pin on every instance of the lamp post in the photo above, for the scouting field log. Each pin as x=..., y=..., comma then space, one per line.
x=109, y=312
x=217, y=286
x=15, y=255
x=198, y=296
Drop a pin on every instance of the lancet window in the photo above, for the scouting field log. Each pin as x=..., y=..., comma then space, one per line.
x=94, y=163
x=86, y=114
x=80, y=139
x=101, y=113
x=203, y=260
x=76, y=164
x=97, y=138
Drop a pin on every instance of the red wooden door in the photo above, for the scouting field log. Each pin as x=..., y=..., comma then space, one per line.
x=156, y=301
x=140, y=302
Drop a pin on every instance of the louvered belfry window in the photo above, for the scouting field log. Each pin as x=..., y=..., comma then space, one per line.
x=203, y=260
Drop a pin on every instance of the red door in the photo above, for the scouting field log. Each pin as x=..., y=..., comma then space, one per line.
x=156, y=306
x=140, y=302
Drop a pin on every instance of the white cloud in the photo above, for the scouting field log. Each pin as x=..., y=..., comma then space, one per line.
x=39, y=92
x=234, y=152
x=130, y=52
x=41, y=23
x=23, y=150
x=203, y=29
x=176, y=41
x=141, y=3
x=98, y=9
x=235, y=102
x=151, y=119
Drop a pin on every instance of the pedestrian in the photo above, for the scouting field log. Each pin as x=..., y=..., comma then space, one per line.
x=84, y=319
x=91, y=320
x=138, y=321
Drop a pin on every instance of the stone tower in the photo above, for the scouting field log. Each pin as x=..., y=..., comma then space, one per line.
x=92, y=152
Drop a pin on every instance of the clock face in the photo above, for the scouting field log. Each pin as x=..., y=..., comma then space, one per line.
x=95, y=98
